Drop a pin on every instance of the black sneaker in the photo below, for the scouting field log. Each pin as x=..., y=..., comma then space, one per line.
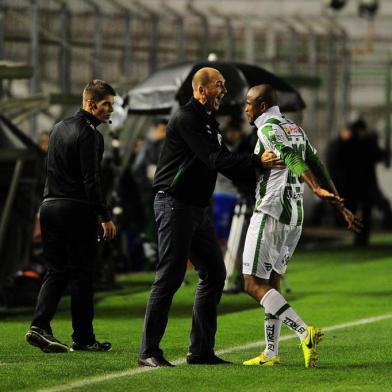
x=210, y=359
x=45, y=341
x=95, y=347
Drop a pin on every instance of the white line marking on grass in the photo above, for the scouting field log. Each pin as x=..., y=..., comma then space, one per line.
x=134, y=372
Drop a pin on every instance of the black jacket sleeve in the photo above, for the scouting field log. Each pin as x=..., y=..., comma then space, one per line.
x=207, y=148
x=90, y=143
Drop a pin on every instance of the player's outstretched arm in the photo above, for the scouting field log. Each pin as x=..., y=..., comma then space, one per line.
x=353, y=222
x=311, y=181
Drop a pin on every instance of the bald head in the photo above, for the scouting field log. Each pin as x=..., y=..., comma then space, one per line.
x=204, y=76
x=258, y=100
x=264, y=93
x=208, y=86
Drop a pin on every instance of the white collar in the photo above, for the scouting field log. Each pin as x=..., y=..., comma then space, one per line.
x=273, y=111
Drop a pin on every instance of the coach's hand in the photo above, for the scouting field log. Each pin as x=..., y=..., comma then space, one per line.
x=109, y=230
x=270, y=161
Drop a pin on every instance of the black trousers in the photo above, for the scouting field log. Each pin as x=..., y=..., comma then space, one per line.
x=184, y=232
x=69, y=235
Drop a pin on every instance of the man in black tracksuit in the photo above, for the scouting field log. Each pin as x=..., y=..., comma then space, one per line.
x=192, y=155
x=72, y=206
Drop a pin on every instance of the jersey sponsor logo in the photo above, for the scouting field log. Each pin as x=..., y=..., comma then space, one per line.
x=291, y=129
x=294, y=195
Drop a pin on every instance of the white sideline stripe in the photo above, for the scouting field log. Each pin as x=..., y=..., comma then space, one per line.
x=134, y=372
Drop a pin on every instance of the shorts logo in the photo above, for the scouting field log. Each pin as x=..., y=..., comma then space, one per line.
x=268, y=267
x=286, y=259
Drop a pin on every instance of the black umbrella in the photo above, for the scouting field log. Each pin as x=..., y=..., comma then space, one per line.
x=159, y=92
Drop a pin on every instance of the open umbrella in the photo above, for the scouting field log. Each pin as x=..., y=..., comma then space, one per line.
x=156, y=94
x=159, y=92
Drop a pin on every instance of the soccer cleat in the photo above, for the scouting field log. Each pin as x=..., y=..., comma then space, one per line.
x=309, y=346
x=263, y=360
x=95, y=347
x=45, y=341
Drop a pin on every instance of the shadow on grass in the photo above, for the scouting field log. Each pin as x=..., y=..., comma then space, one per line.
x=344, y=253
x=366, y=366
x=107, y=306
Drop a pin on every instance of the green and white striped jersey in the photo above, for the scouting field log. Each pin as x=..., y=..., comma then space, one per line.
x=279, y=192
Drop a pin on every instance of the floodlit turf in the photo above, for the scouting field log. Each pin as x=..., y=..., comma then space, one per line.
x=330, y=287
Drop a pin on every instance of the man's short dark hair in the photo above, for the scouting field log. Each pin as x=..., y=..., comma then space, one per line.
x=96, y=90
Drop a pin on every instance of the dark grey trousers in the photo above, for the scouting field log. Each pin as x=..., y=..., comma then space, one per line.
x=184, y=232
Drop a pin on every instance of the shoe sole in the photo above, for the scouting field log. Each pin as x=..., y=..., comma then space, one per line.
x=147, y=364
x=264, y=364
x=316, y=339
x=44, y=344
x=89, y=351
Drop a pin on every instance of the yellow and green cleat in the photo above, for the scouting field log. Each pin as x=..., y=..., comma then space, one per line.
x=309, y=346
x=262, y=360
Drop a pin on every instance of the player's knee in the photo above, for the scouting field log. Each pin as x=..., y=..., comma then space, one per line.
x=274, y=281
x=256, y=287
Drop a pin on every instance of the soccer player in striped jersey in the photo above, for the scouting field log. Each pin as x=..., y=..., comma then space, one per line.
x=276, y=224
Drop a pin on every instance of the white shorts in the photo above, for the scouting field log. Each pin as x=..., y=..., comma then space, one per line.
x=269, y=246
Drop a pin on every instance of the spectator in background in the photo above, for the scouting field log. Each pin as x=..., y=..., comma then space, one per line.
x=352, y=159
x=144, y=168
x=228, y=194
x=43, y=143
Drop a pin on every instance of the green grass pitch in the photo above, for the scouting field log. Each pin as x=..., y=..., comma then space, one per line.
x=330, y=287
